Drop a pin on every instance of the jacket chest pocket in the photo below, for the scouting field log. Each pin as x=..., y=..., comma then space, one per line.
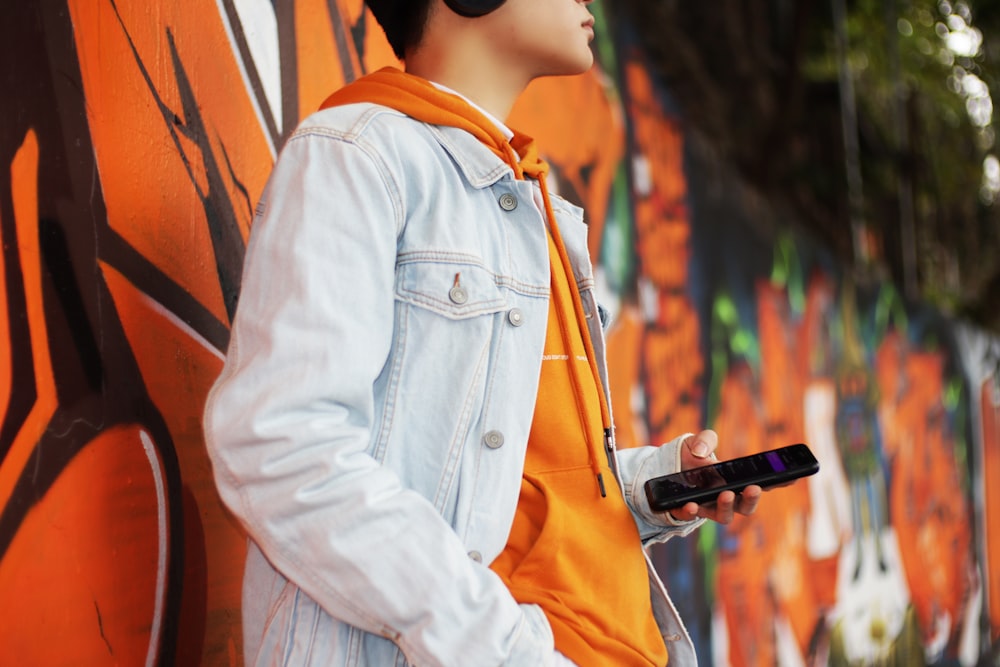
x=454, y=289
x=446, y=326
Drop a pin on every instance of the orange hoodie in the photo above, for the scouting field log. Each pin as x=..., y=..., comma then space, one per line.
x=573, y=548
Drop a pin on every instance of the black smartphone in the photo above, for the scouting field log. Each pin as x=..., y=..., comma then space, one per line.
x=703, y=485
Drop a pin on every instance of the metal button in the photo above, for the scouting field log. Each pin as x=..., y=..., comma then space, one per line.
x=476, y=556
x=508, y=202
x=458, y=295
x=493, y=439
x=515, y=317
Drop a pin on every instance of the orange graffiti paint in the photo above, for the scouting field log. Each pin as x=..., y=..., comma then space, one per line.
x=24, y=186
x=989, y=398
x=83, y=580
x=582, y=134
x=672, y=360
x=624, y=364
x=745, y=548
x=786, y=510
x=183, y=138
x=179, y=369
x=327, y=55
x=165, y=76
x=928, y=511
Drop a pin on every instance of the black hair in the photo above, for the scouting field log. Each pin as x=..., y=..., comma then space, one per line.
x=402, y=21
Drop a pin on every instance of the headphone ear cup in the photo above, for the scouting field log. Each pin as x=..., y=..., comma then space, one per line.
x=473, y=8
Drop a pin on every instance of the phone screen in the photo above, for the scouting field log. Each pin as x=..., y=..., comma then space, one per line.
x=722, y=474
x=705, y=483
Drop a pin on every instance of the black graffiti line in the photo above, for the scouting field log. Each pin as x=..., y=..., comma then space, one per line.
x=100, y=627
x=21, y=356
x=284, y=13
x=223, y=228
x=58, y=262
x=344, y=50
x=83, y=411
x=170, y=119
x=358, y=32
x=250, y=67
x=52, y=454
x=227, y=241
x=238, y=184
x=151, y=281
x=123, y=397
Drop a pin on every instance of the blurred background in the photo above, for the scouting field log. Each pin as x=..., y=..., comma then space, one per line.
x=870, y=122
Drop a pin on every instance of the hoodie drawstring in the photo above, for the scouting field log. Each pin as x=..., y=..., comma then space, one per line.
x=564, y=327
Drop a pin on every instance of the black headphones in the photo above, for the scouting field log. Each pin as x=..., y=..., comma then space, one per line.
x=473, y=8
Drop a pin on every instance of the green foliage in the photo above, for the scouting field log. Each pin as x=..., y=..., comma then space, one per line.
x=759, y=82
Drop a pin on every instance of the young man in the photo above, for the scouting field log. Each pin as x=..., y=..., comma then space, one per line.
x=412, y=422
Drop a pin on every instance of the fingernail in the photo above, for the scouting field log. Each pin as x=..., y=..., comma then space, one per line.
x=700, y=449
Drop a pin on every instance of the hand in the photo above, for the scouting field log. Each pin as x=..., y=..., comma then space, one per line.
x=697, y=451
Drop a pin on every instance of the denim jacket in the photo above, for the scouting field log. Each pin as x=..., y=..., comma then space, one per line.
x=370, y=423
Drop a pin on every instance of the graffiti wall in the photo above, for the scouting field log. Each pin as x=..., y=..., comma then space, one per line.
x=135, y=139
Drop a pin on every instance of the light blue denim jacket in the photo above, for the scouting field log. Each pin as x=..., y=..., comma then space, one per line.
x=369, y=426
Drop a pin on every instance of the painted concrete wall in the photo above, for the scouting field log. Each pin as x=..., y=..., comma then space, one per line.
x=136, y=137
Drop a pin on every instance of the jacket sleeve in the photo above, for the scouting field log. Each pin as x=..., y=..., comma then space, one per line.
x=289, y=422
x=637, y=465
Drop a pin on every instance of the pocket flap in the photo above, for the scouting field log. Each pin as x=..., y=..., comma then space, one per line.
x=456, y=290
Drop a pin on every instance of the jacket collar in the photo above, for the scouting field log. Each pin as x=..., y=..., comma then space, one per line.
x=480, y=166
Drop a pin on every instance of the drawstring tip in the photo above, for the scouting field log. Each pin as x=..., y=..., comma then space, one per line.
x=600, y=483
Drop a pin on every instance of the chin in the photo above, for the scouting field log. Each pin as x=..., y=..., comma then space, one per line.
x=571, y=67
x=584, y=66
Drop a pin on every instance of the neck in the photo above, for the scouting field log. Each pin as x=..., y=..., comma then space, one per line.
x=495, y=99
x=455, y=56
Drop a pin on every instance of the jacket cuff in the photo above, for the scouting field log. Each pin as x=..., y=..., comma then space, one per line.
x=657, y=527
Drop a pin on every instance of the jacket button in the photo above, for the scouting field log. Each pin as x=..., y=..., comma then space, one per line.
x=515, y=317
x=458, y=295
x=476, y=556
x=493, y=439
x=508, y=202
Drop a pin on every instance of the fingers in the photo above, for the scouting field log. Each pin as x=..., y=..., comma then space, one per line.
x=688, y=512
x=724, y=509
x=702, y=445
x=747, y=500
x=699, y=449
